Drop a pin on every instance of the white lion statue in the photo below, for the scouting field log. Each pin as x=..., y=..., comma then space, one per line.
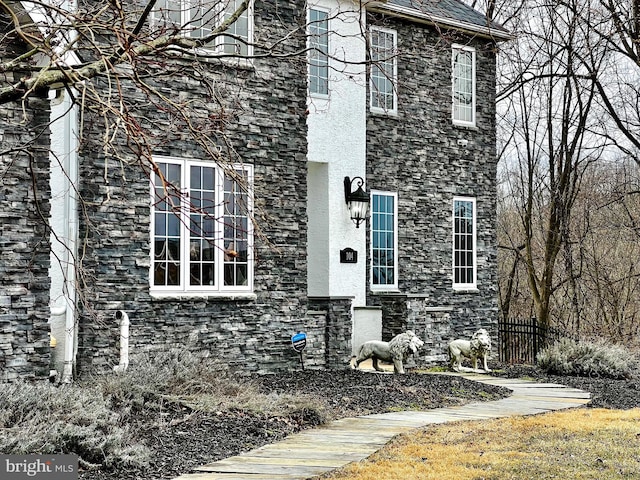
x=396, y=351
x=475, y=349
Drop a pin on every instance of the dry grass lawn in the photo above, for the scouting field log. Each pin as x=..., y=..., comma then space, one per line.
x=596, y=444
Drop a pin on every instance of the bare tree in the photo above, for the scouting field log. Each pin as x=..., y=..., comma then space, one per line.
x=617, y=77
x=551, y=134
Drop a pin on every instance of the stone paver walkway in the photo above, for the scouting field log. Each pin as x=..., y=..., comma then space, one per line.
x=320, y=450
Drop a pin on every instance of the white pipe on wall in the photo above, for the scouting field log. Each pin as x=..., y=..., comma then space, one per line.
x=122, y=316
x=64, y=237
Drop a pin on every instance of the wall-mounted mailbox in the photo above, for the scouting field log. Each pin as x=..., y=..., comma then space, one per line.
x=348, y=255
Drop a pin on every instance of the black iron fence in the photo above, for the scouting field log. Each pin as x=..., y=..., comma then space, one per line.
x=520, y=339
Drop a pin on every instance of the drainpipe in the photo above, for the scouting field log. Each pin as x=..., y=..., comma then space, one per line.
x=122, y=316
x=71, y=205
x=64, y=117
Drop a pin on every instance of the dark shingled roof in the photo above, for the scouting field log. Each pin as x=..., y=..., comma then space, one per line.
x=446, y=11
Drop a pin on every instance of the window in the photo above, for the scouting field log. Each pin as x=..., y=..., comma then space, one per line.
x=198, y=18
x=464, y=243
x=384, y=241
x=383, y=71
x=318, y=52
x=200, y=228
x=464, y=85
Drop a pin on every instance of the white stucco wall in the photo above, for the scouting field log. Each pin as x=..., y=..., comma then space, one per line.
x=337, y=139
x=367, y=325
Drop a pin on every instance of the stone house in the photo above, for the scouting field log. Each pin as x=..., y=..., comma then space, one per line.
x=396, y=97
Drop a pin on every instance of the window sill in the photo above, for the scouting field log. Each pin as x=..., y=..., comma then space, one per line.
x=466, y=126
x=383, y=113
x=214, y=297
x=466, y=290
x=318, y=96
x=390, y=291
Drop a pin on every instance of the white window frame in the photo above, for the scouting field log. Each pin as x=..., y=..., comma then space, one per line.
x=458, y=249
x=315, y=53
x=390, y=59
x=456, y=80
x=222, y=255
x=218, y=12
x=374, y=222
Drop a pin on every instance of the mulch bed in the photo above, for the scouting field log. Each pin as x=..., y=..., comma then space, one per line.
x=188, y=439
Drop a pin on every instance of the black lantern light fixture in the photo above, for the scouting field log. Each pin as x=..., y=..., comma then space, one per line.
x=358, y=201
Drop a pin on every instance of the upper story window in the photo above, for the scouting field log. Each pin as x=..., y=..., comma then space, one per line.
x=318, y=52
x=198, y=19
x=464, y=243
x=383, y=71
x=464, y=85
x=384, y=241
x=200, y=228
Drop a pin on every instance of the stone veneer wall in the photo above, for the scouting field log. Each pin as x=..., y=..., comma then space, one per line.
x=416, y=154
x=24, y=240
x=265, y=106
x=337, y=334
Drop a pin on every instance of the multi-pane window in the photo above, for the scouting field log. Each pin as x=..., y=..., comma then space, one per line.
x=200, y=227
x=238, y=44
x=318, y=52
x=383, y=70
x=384, y=241
x=464, y=242
x=198, y=19
x=464, y=85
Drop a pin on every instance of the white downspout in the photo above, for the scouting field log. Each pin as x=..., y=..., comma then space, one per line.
x=124, y=341
x=64, y=228
x=71, y=207
x=65, y=184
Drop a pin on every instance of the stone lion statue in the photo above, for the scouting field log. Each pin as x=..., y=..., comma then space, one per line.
x=396, y=351
x=475, y=349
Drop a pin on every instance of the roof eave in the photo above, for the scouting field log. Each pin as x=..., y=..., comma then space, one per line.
x=416, y=16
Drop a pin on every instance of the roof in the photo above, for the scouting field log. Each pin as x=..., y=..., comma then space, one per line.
x=446, y=13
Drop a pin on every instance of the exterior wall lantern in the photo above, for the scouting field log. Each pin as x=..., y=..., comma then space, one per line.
x=358, y=201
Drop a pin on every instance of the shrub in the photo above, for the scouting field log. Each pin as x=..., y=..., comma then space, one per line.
x=165, y=379
x=97, y=418
x=44, y=419
x=590, y=359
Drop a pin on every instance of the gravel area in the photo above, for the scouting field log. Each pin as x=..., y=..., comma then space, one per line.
x=184, y=439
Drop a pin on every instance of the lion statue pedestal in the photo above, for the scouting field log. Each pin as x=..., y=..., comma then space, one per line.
x=478, y=348
x=396, y=351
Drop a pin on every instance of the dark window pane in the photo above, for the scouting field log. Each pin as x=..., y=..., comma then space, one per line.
x=160, y=247
x=194, y=250
x=208, y=274
x=173, y=174
x=196, y=181
x=195, y=274
x=208, y=252
x=208, y=178
x=228, y=274
x=173, y=274
x=174, y=249
x=173, y=226
x=241, y=275
x=161, y=224
x=159, y=274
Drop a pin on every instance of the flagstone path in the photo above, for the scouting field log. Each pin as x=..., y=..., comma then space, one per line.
x=320, y=450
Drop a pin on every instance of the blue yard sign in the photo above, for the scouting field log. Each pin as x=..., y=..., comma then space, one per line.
x=299, y=341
